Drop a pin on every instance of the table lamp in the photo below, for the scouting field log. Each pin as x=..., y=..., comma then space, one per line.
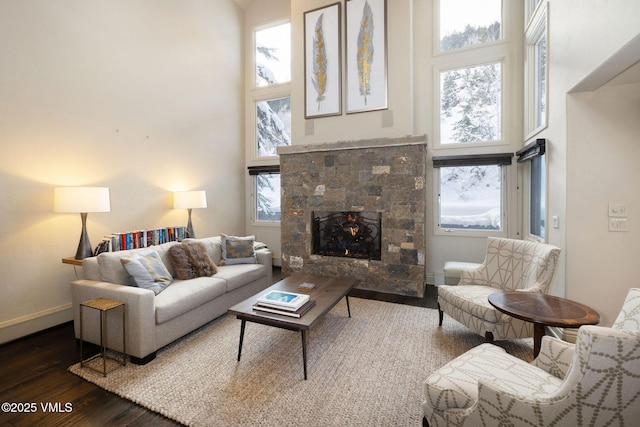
x=189, y=200
x=82, y=200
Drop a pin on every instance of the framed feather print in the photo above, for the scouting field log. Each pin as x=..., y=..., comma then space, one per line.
x=322, y=62
x=366, y=55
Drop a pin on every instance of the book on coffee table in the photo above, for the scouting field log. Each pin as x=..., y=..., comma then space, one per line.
x=284, y=300
x=298, y=313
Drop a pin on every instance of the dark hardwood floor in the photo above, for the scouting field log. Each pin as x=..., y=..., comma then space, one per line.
x=33, y=370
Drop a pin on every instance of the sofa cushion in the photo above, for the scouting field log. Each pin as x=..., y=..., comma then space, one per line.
x=147, y=271
x=213, y=245
x=472, y=299
x=238, y=250
x=239, y=275
x=111, y=269
x=185, y=295
x=191, y=260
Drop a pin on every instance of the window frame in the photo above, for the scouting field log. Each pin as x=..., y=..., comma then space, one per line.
x=486, y=60
x=271, y=95
x=257, y=94
x=254, y=172
x=498, y=159
x=534, y=151
x=254, y=80
x=536, y=30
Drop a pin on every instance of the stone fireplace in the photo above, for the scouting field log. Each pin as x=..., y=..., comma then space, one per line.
x=371, y=196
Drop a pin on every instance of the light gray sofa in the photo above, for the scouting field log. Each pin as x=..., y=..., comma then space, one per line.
x=153, y=321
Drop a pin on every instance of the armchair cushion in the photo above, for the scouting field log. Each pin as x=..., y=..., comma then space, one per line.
x=455, y=385
x=473, y=300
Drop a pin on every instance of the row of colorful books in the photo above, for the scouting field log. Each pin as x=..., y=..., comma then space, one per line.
x=285, y=303
x=140, y=239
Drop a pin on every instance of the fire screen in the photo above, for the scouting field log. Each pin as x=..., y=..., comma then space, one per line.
x=347, y=234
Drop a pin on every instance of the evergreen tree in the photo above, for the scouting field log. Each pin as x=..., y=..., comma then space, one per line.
x=471, y=97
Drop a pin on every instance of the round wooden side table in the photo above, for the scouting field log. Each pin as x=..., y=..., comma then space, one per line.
x=543, y=310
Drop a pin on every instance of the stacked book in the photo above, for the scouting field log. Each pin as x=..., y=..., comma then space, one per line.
x=140, y=239
x=285, y=303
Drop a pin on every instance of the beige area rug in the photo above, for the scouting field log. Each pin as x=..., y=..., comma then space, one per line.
x=367, y=370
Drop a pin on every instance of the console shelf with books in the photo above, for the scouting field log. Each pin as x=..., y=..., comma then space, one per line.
x=140, y=239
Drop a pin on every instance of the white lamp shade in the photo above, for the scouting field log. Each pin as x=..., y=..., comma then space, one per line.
x=189, y=199
x=81, y=199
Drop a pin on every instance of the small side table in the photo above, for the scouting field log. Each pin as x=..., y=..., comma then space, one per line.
x=103, y=305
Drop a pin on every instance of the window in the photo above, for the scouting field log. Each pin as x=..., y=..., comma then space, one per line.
x=537, y=197
x=541, y=82
x=473, y=55
x=471, y=104
x=273, y=55
x=273, y=125
x=536, y=72
x=465, y=23
x=471, y=192
x=269, y=119
x=267, y=197
x=533, y=156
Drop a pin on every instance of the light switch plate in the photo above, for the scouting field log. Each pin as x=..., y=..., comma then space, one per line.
x=618, y=210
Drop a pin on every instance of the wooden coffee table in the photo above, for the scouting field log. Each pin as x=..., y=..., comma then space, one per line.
x=543, y=310
x=327, y=293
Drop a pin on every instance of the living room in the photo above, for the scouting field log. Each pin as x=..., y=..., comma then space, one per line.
x=149, y=98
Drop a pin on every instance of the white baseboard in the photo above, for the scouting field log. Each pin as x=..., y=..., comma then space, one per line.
x=34, y=322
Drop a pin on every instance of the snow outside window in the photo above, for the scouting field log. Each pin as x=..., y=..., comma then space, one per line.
x=273, y=55
x=273, y=125
x=267, y=191
x=466, y=23
x=471, y=104
x=471, y=198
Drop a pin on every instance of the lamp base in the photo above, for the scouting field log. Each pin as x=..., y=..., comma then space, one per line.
x=84, y=246
x=190, y=232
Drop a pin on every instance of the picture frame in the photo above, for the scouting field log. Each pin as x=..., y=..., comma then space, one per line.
x=323, y=62
x=366, y=55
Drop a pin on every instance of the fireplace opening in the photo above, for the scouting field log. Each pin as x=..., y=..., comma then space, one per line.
x=347, y=234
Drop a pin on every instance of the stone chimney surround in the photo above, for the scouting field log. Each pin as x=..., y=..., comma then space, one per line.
x=386, y=175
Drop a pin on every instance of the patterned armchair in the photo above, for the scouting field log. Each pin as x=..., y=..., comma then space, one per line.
x=508, y=266
x=594, y=383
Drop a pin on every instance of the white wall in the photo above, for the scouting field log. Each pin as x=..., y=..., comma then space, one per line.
x=592, y=139
x=348, y=127
x=142, y=97
x=603, y=265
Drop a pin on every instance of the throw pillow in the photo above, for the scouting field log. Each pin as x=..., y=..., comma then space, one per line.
x=191, y=260
x=147, y=271
x=180, y=262
x=238, y=250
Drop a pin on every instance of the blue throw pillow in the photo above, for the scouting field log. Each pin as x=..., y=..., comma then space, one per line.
x=147, y=271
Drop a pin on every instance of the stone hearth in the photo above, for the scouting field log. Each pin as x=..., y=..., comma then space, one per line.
x=379, y=175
